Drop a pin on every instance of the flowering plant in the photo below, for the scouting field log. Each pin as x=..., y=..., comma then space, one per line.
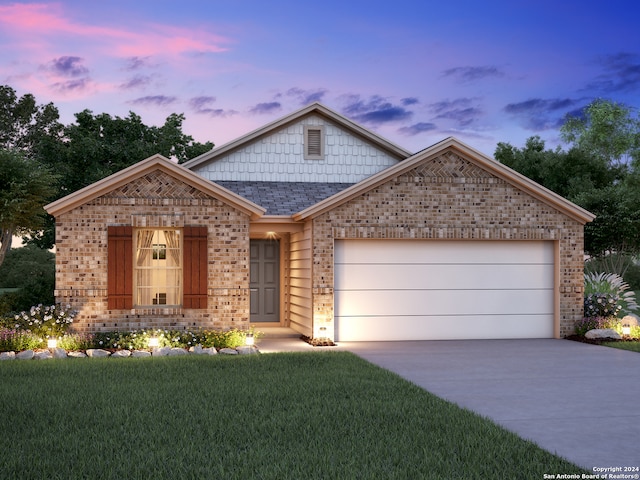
x=601, y=305
x=46, y=321
x=592, y=323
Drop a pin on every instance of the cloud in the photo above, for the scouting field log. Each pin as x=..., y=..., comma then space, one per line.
x=417, y=128
x=51, y=25
x=409, y=101
x=136, y=82
x=376, y=110
x=154, y=100
x=263, y=108
x=72, y=86
x=136, y=63
x=68, y=66
x=459, y=110
x=471, y=74
x=201, y=105
x=306, y=97
x=541, y=114
x=621, y=73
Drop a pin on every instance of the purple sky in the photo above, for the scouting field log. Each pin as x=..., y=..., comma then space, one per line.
x=413, y=71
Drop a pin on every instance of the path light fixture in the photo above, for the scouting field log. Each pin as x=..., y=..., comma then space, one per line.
x=626, y=330
x=248, y=340
x=52, y=343
x=154, y=342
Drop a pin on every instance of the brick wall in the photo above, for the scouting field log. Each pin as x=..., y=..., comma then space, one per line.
x=449, y=197
x=154, y=200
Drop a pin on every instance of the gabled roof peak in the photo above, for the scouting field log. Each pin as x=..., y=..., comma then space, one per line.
x=313, y=108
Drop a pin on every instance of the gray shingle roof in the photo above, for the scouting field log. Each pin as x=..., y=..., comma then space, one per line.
x=283, y=198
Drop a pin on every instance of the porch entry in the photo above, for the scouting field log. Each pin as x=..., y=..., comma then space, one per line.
x=264, y=284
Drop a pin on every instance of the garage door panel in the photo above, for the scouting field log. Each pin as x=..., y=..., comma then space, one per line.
x=440, y=276
x=441, y=302
x=396, y=328
x=431, y=289
x=439, y=251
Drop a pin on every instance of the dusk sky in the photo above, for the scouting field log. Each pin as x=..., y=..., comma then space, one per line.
x=413, y=71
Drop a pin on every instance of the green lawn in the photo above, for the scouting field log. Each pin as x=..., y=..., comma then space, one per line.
x=633, y=346
x=324, y=415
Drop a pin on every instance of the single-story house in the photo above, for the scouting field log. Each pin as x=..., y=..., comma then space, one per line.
x=315, y=223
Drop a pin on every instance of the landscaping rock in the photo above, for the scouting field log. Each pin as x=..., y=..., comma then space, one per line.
x=59, y=353
x=630, y=320
x=210, y=351
x=25, y=355
x=7, y=355
x=121, y=354
x=197, y=350
x=247, y=350
x=97, y=353
x=177, y=351
x=77, y=355
x=228, y=351
x=44, y=355
x=602, y=333
x=161, y=351
x=141, y=353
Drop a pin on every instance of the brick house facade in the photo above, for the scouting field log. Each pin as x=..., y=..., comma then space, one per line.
x=357, y=187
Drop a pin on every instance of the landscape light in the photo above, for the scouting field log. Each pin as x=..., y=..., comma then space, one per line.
x=249, y=339
x=52, y=343
x=626, y=329
x=154, y=342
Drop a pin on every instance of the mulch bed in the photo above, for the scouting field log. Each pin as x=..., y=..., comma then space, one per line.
x=318, y=342
x=599, y=341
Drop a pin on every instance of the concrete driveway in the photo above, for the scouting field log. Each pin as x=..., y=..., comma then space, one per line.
x=578, y=401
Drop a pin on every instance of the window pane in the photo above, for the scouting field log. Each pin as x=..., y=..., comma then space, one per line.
x=158, y=270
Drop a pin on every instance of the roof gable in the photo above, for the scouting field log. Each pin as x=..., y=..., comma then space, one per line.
x=276, y=151
x=140, y=169
x=479, y=165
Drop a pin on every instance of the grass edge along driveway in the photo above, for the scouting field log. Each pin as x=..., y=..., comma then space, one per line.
x=272, y=416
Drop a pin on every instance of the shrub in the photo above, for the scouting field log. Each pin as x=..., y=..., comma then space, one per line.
x=75, y=341
x=139, y=339
x=46, y=321
x=601, y=305
x=610, y=284
x=12, y=340
x=591, y=323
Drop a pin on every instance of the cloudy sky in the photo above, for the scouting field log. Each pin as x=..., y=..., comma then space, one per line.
x=414, y=71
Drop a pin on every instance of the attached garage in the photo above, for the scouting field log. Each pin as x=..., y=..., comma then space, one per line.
x=443, y=290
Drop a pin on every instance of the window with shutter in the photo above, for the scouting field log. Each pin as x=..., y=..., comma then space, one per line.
x=158, y=266
x=120, y=268
x=195, y=267
x=314, y=142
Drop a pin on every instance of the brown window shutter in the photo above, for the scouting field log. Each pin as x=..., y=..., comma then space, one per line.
x=195, y=267
x=120, y=268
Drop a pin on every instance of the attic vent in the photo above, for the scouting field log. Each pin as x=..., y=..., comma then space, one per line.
x=313, y=143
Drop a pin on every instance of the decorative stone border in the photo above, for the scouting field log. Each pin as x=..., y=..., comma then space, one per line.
x=100, y=353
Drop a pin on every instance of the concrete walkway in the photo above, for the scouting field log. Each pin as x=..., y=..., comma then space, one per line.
x=581, y=402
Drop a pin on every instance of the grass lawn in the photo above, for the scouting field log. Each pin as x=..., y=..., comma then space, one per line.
x=633, y=346
x=328, y=415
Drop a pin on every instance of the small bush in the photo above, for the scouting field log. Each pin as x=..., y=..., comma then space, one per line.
x=12, y=340
x=139, y=339
x=73, y=342
x=601, y=305
x=612, y=285
x=46, y=321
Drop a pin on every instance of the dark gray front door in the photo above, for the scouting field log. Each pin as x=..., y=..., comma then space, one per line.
x=265, y=280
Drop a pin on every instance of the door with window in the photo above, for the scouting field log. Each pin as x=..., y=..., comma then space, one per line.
x=265, y=280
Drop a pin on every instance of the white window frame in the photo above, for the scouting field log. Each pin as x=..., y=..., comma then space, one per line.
x=153, y=270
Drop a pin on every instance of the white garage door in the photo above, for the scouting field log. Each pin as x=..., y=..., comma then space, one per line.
x=443, y=290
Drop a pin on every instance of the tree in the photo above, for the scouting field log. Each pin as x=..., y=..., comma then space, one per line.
x=96, y=146
x=566, y=173
x=25, y=126
x=606, y=130
x=25, y=186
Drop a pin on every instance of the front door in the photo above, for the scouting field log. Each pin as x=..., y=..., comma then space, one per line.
x=265, y=280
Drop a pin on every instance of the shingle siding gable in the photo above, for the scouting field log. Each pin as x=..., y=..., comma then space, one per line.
x=279, y=157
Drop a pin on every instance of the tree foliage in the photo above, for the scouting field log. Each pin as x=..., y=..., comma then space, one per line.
x=600, y=172
x=25, y=186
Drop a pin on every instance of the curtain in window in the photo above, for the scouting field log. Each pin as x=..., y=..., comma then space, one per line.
x=144, y=257
x=174, y=275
